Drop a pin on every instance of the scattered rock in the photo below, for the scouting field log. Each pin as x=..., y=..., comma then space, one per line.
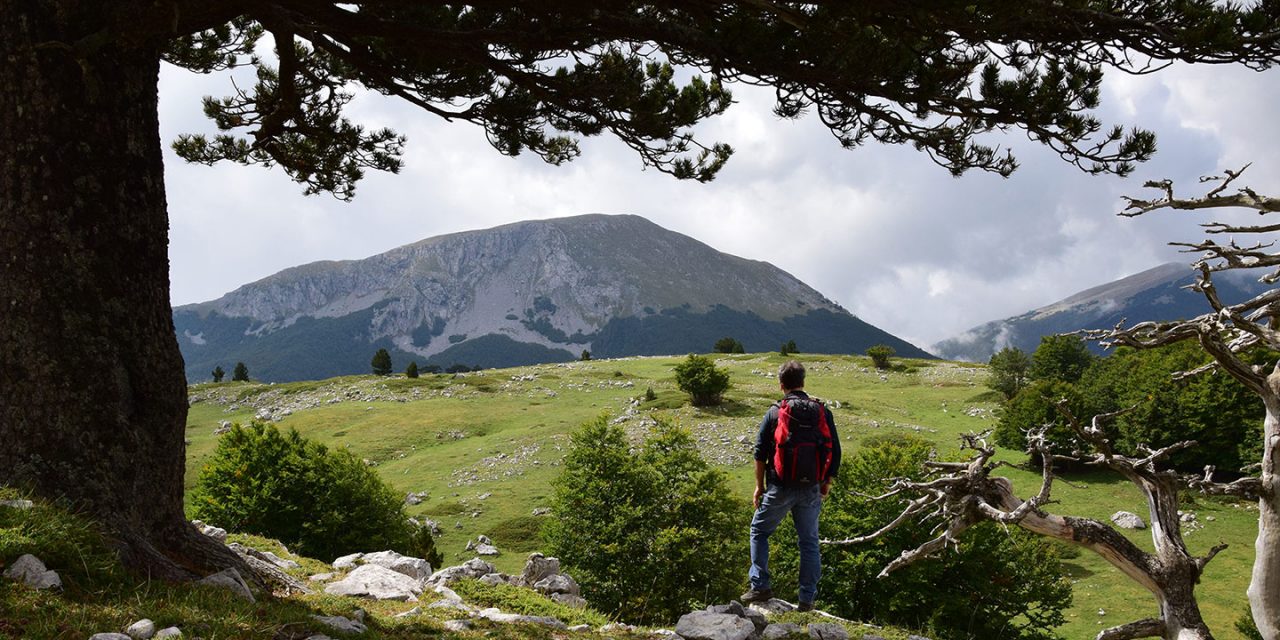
x=168, y=632
x=486, y=550
x=558, y=583
x=415, y=498
x=217, y=533
x=376, y=582
x=457, y=605
x=538, y=567
x=347, y=562
x=570, y=600
x=665, y=634
x=141, y=630
x=473, y=568
x=617, y=627
x=29, y=570
x=705, y=625
x=495, y=579
x=773, y=606
x=280, y=562
x=1186, y=516
x=230, y=579
x=416, y=611
x=447, y=593
x=515, y=618
x=827, y=631
x=22, y=504
x=579, y=628
x=780, y=630
x=322, y=577
x=458, y=625
x=341, y=624
x=415, y=568
x=109, y=636
x=916, y=638
x=1127, y=520
x=542, y=511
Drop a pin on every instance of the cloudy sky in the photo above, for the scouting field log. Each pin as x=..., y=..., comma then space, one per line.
x=881, y=230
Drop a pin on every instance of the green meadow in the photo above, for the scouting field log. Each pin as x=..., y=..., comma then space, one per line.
x=485, y=447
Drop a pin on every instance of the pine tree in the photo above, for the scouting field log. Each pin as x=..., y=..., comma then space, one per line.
x=218, y=373
x=412, y=370
x=241, y=373
x=381, y=363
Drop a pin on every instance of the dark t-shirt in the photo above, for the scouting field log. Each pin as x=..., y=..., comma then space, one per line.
x=764, y=438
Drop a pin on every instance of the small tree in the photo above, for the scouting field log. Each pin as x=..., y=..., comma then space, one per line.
x=411, y=371
x=729, y=345
x=782, y=351
x=791, y=347
x=702, y=380
x=1061, y=357
x=218, y=373
x=880, y=355
x=1009, y=371
x=645, y=533
x=240, y=373
x=586, y=355
x=381, y=363
x=431, y=368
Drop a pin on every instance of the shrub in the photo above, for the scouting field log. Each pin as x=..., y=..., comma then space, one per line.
x=322, y=503
x=880, y=355
x=993, y=584
x=702, y=380
x=649, y=395
x=645, y=533
x=1009, y=371
x=1060, y=357
x=1036, y=406
x=381, y=363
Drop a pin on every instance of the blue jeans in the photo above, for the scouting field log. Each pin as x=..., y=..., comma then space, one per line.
x=804, y=504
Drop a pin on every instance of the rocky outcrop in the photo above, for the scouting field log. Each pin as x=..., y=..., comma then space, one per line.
x=376, y=582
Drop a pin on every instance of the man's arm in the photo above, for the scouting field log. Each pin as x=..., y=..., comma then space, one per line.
x=835, y=453
x=755, y=498
x=763, y=452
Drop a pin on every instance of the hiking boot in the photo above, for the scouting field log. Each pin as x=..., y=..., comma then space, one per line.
x=754, y=595
x=805, y=606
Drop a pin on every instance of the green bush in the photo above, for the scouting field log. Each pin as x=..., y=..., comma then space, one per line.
x=1009, y=371
x=995, y=584
x=646, y=533
x=1036, y=406
x=1060, y=357
x=322, y=503
x=699, y=377
x=880, y=355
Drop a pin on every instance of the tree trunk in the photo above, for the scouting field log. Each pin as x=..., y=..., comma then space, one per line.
x=1264, y=588
x=92, y=392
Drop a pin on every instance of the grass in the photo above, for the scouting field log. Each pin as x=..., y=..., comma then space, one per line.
x=486, y=445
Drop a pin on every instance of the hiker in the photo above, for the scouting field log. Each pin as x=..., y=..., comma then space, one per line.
x=797, y=454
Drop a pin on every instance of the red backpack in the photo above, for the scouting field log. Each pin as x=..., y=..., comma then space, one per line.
x=802, y=442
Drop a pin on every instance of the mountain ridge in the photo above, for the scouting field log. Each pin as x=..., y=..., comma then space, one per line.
x=536, y=291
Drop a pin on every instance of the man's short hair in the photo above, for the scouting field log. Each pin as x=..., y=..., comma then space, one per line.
x=791, y=375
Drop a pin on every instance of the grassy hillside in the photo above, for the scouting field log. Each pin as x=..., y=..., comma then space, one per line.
x=486, y=445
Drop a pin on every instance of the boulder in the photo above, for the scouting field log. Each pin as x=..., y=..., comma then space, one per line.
x=1128, y=520
x=780, y=630
x=415, y=568
x=341, y=624
x=827, y=631
x=538, y=567
x=706, y=625
x=376, y=582
x=168, y=633
x=229, y=579
x=141, y=630
x=558, y=583
x=473, y=568
x=486, y=550
x=29, y=570
x=514, y=618
x=347, y=562
x=734, y=607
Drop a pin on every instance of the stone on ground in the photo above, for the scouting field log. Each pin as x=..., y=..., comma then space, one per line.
x=514, y=618
x=1127, y=520
x=229, y=579
x=780, y=630
x=376, y=582
x=706, y=625
x=341, y=624
x=827, y=631
x=141, y=630
x=29, y=570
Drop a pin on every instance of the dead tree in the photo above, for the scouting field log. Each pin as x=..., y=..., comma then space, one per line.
x=965, y=493
x=1225, y=332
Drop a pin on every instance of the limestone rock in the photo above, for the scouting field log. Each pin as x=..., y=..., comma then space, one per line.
x=486, y=550
x=230, y=579
x=348, y=561
x=473, y=568
x=665, y=634
x=415, y=568
x=29, y=570
x=773, y=606
x=916, y=638
x=706, y=625
x=827, y=631
x=168, y=632
x=495, y=579
x=570, y=600
x=416, y=611
x=141, y=630
x=376, y=582
x=342, y=624
x=579, y=628
x=217, y=533
x=1128, y=520
x=558, y=583
x=322, y=577
x=780, y=630
x=17, y=504
x=109, y=636
x=538, y=567
x=457, y=605
x=280, y=562
x=458, y=625
x=515, y=618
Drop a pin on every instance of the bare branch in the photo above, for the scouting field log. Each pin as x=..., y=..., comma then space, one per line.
x=1149, y=628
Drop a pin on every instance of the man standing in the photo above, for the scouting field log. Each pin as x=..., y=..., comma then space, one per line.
x=797, y=454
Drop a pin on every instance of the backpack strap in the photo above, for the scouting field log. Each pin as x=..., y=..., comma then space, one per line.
x=781, y=433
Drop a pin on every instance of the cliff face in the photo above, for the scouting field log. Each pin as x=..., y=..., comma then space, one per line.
x=552, y=287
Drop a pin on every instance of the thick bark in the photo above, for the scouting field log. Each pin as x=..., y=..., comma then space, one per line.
x=1264, y=588
x=92, y=392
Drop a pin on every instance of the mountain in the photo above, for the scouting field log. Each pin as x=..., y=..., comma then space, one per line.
x=1154, y=294
x=522, y=293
